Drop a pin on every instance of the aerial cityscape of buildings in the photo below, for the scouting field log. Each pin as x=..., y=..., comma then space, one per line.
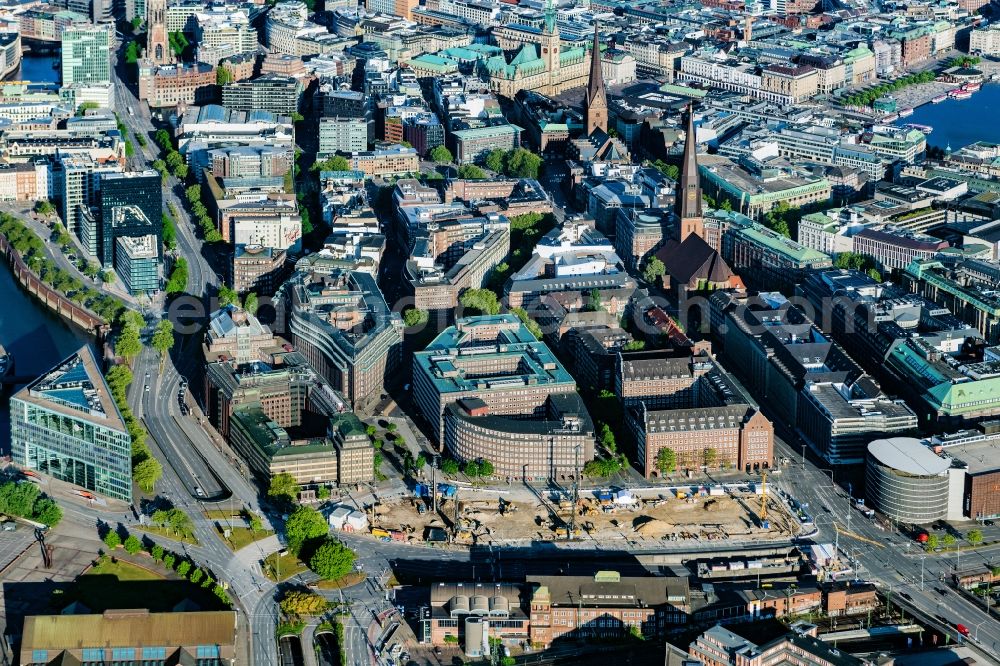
x=481, y=331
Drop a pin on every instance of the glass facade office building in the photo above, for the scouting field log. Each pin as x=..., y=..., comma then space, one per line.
x=66, y=425
x=86, y=54
x=140, y=189
x=137, y=265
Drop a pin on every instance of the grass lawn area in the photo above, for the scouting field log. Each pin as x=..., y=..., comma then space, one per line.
x=288, y=566
x=118, y=584
x=222, y=514
x=349, y=580
x=162, y=531
x=241, y=536
x=123, y=570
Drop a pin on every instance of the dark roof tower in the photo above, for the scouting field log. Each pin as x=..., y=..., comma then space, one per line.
x=596, y=108
x=689, y=193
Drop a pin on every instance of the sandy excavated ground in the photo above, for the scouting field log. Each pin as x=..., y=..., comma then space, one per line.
x=704, y=518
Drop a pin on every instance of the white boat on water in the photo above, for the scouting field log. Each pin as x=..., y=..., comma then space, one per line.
x=960, y=94
x=939, y=99
x=906, y=113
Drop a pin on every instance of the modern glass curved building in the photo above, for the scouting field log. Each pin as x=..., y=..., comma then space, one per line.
x=906, y=480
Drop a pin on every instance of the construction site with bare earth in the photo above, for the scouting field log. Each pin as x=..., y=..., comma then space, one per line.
x=478, y=517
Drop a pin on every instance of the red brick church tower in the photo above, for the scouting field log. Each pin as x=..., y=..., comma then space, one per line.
x=596, y=106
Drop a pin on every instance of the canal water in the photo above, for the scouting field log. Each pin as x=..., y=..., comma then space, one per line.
x=961, y=122
x=36, y=337
x=38, y=68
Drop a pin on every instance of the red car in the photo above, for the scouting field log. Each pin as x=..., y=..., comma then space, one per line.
x=962, y=629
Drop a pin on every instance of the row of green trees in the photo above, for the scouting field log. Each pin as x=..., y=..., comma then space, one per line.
x=172, y=160
x=180, y=564
x=963, y=61
x=868, y=96
x=178, y=280
x=169, y=231
x=27, y=501
x=200, y=213
x=473, y=469
x=146, y=470
x=228, y=296
x=32, y=250
x=175, y=521
x=610, y=461
x=482, y=301
x=973, y=536
x=528, y=322
x=123, y=130
x=91, y=269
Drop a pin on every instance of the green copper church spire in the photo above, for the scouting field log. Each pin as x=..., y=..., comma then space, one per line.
x=550, y=17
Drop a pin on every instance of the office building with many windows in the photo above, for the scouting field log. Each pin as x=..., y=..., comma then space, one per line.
x=137, y=263
x=66, y=425
x=269, y=92
x=140, y=190
x=343, y=326
x=258, y=269
x=342, y=135
x=77, y=183
x=488, y=389
x=86, y=54
x=267, y=449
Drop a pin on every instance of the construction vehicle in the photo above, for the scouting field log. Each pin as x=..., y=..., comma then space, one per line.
x=764, y=523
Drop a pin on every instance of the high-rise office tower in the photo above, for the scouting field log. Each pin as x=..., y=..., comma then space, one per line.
x=66, y=425
x=86, y=54
x=78, y=182
x=139, y=189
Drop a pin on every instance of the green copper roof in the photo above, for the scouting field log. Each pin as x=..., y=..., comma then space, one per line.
x=348, y=424
x=782, y=245
x=525, y=55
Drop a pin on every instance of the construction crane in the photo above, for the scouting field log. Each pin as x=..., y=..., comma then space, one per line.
x=763, y=502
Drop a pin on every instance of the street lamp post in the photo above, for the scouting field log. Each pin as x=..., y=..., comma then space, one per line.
x=976, y=636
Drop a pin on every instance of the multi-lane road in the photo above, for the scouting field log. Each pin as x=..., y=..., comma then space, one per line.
x=136, y=117
x=892, y=560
